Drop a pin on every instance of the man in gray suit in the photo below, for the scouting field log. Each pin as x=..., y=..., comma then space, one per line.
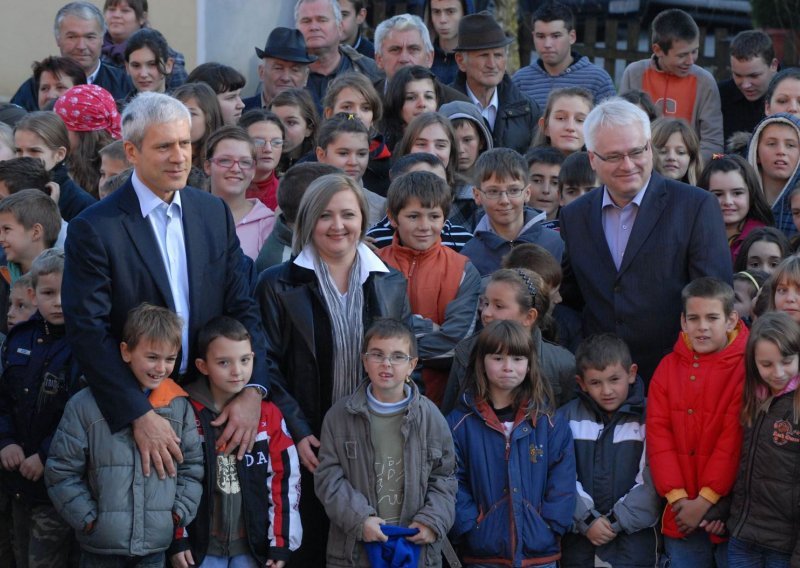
x=635, y=242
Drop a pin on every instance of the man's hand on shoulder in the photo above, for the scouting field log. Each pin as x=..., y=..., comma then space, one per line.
x=158, y=444
x=240, y=417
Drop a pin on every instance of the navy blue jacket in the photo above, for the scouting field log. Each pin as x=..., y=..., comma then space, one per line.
x=516, y=495
x=614, y=481
x=72, y=198
x=38, y=378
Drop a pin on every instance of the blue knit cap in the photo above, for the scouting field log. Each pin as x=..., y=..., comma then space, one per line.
x=397, y=552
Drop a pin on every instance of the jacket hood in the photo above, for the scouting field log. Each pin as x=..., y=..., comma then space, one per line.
x=259, y=212
x=462, y=109
x=752, y=150
x=165, y=393
x=531, y=216
x=200, y=392
x=733, y=351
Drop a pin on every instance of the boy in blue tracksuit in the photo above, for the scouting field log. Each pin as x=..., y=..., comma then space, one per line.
x=617, y=506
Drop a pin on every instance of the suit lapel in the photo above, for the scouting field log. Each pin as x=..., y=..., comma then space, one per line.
x=655, y=199
x=144, y=241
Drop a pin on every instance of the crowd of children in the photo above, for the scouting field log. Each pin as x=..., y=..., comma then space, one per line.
x=484, y=429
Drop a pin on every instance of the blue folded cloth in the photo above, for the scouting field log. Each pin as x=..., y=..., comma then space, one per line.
x=397, y=552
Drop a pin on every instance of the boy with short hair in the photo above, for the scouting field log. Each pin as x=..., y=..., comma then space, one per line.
x=92, y=474
x=443, y=286
x=617, y=505
x=694, y=436
x=502, y=188
x=544, y=165
x=677, y=86
x=444, y=17
x=386, y=458
x=293, y=185
x=39, y=376
x=576, y=178
x=248, y=514
x=29, y=224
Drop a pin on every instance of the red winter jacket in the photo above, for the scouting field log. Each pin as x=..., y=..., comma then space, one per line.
x=694, y=437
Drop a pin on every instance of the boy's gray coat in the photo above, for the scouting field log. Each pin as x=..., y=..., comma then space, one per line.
x=95, y=476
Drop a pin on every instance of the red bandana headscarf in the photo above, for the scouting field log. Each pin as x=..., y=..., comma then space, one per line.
x=86, y=108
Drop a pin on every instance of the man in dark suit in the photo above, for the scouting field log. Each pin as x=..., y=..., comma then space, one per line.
x=79, y=28
x=635, y=242
x=155, y=240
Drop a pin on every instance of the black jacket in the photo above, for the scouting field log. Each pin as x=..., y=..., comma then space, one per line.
x=299, y=331
x=765, y=508
x=517, y=117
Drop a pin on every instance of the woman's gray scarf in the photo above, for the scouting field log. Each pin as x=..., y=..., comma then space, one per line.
x=346, y=315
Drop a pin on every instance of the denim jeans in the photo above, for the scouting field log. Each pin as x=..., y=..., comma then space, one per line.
x=746, y=555
x=240, y=561
x=694, y=551
x=92, y=560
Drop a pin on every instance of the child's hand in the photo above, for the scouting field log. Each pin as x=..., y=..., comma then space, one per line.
x=183, y=559
x=11, y=457
x=32, y=468
x=689, y=513
x=276, y=563
x=600, y=532
x=426, y=535
x=713, y=527
x=372, y=530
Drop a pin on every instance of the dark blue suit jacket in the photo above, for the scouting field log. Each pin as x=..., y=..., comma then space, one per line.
x=678, y=236
x=113, y=264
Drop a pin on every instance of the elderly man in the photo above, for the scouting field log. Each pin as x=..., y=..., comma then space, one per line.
x=753, y=65
x=481, y=56
x=320, y=22
x=634, y=243
x=155, y=240
x=403, y=41
x=284, y=65
x=79, y=29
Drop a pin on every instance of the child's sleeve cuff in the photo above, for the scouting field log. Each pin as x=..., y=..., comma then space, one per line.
x=710, y=495
x=675, y=495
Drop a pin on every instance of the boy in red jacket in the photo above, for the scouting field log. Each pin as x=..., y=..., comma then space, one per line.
x=693, y=433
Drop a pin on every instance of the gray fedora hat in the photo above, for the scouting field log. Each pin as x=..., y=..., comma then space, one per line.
x=287, y=44
x=480, y=31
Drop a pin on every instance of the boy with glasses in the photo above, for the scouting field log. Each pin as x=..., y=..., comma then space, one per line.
x=502, y=188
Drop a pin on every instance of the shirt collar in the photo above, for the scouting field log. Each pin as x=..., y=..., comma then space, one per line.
x=369, y=260
x=93, y=75
x=494, y=102
x=148, y=201
x=608, y=202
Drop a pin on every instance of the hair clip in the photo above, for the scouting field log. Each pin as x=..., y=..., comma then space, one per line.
x=351, y=116
x=750, y=278
x=531, y=288
x=717, y=156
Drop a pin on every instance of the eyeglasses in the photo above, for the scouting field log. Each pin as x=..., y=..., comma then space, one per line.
x=394, y=358
x=228, y=163
x=634, y=155
x=274, y=142
x=494, y=194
